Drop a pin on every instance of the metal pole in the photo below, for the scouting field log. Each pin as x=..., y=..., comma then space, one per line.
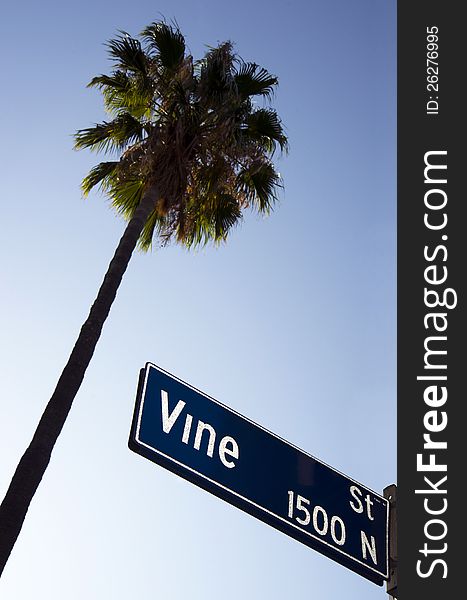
x=390, y=492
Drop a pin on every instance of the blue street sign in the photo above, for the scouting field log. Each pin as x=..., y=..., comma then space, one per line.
x=200, y=439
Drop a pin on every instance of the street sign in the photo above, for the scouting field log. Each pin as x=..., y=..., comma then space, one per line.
x=214, y=447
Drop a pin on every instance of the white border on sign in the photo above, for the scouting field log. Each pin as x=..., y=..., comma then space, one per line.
x=290, y=523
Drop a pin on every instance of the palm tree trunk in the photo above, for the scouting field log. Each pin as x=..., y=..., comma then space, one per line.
x=34, y=462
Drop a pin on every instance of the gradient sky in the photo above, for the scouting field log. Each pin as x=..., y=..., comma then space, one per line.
x=291, y=324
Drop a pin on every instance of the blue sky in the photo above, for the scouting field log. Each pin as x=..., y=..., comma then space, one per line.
x=292, y=323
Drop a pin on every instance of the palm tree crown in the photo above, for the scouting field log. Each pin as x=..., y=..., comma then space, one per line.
x=190, y=129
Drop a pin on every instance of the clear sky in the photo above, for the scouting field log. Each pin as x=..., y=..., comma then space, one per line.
x=291, y=324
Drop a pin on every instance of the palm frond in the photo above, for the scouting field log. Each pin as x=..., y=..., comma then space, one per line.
x=111, y=136
x=152, y=229
x=125, y=93
x=215, y=73
x=208, y=219
x=98, y=175
x=97, y=138
x=259, y=182
x=166, y=42
x=119, y=81
x=126, y=195
x=225, y=214
x=264, y=126
x=128, y=54
x=209, y=178
x=253, y=80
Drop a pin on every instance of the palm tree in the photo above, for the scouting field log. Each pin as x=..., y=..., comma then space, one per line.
x=195, y=150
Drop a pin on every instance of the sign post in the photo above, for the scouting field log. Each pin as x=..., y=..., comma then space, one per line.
x=390, y=492
x=214, y=447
